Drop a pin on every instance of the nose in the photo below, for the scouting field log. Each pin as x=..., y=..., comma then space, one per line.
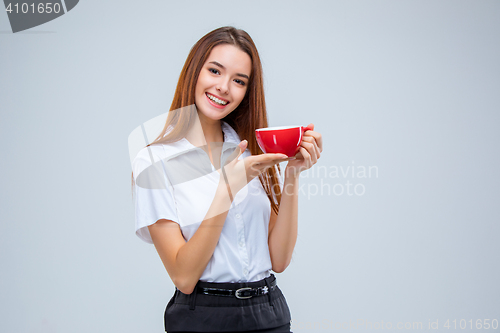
x=223, y=87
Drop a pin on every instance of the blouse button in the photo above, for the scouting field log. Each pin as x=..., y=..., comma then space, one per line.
x=238, y=216
x=245, y=271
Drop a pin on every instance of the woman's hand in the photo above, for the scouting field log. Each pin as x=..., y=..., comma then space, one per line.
x=310, y=150
x=237, y=173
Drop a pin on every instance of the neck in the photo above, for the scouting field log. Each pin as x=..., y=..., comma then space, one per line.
x=212, y=129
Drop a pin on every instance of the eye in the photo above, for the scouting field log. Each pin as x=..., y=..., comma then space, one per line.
x=240, y=82
x=214, y=71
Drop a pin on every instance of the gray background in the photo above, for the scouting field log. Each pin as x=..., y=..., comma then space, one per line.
x=411, y=87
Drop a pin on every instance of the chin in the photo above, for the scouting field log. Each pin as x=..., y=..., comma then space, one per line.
x=214, y=114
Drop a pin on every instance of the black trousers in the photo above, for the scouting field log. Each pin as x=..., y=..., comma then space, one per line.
x=208, y=313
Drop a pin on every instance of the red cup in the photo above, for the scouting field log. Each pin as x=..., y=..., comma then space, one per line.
x=283, y=139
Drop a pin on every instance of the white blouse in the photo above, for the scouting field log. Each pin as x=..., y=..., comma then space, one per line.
x=177, y=182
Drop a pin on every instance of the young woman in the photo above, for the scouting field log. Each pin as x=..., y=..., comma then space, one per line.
x=216, y=208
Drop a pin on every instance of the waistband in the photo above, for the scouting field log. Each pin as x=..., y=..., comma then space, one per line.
x=197, y=297
x=236, y=285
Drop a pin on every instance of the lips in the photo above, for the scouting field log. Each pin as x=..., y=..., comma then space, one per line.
x=216, y=100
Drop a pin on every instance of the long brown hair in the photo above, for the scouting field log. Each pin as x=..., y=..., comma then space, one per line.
x=245, y=119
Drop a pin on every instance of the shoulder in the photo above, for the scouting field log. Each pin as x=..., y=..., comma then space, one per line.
x=145, y=157
x=155, y=153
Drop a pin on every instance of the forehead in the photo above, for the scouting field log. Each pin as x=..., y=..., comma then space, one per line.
x=232, y=58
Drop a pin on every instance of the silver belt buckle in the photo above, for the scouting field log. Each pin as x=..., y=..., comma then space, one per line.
x=237, y=293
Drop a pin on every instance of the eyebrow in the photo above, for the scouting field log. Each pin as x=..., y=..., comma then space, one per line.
x=221, y=66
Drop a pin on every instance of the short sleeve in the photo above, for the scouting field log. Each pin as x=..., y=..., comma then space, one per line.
x=153, y=194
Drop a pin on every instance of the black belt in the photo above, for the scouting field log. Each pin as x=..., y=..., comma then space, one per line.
x=241, y=293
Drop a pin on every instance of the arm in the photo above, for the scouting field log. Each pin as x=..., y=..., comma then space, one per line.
x=284, y=226
x=185, y=261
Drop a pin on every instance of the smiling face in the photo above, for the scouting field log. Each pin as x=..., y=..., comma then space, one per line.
x=222, y=82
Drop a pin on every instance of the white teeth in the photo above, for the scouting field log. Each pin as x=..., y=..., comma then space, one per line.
x=216, y=100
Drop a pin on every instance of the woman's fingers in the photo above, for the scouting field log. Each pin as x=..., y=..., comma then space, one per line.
x=266, y=160
x=243, y=145
x=309, y=152
x=317, y=137
x=257, y=164
x=312, y=141
x=311, y=148
x=236, y=153
x=307, y=156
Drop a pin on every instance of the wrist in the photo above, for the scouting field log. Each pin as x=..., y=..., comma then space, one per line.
x=292, y=172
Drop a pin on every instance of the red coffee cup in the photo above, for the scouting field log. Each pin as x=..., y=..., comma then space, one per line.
x=282, y=139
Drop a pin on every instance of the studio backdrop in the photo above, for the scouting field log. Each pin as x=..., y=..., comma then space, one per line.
x=398, y=221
